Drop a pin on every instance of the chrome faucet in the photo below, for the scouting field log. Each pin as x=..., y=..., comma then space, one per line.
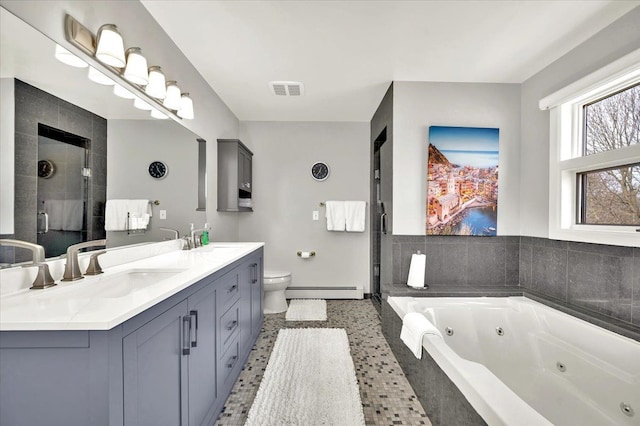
x=197, y=242
x=43, y=279
x=176, y=234
x=72, y=269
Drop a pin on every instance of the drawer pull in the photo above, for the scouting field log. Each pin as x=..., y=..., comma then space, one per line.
x=186, y=335
x=194, y=341
x=232, y=361
x=232, y=288
x=232, y=325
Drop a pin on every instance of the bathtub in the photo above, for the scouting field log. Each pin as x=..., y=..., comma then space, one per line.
x=519, y=362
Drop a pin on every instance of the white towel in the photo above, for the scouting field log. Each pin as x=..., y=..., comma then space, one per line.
x=116, y=214
x=55, y=210
x=335, y=214
x=355, y=215
x=73, y=212
x=414, y=327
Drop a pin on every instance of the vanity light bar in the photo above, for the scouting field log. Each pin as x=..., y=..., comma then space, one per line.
x=86, y=43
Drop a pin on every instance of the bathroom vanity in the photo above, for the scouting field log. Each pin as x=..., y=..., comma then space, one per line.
x=157, y=341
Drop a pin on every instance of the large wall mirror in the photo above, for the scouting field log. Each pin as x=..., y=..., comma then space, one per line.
x=68, y=145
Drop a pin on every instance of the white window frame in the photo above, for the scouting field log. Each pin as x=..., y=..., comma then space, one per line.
x=565, y=152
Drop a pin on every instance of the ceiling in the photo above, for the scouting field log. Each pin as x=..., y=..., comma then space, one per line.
x=346, y=53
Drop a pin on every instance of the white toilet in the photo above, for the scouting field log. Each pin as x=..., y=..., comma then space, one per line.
x=275, y=283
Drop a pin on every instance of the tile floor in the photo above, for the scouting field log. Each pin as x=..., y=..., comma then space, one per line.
x=386, y=395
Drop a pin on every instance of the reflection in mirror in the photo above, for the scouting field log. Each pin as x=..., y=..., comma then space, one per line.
x=118, y=143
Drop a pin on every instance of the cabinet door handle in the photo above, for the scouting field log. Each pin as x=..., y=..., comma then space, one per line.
x=194, y=341
x=232, y=361
x=232, y=325
x=186, y=335
x=232, y=288
x=254, y=279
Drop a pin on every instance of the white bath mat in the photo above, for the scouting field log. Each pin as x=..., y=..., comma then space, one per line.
x=307, y=310
x=309, y=380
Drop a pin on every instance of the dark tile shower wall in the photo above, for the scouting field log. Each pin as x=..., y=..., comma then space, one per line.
x=601, y=278
x=33, y=106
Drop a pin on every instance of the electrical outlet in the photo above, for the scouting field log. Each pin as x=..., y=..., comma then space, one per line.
x=163, y=214
x=316, y=215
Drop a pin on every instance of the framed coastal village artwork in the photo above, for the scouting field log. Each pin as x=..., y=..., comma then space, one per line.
x=462, y=181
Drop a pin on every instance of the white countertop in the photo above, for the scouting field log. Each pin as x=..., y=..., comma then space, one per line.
x=124, y=289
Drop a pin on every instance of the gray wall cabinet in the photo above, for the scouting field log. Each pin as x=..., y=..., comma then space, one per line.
x=173, y=364
x=235, y=169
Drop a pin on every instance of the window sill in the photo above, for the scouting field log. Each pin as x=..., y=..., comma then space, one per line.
x=612, y=235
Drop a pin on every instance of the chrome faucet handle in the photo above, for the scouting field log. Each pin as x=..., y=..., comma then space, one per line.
x=37, y=251
x=175, y=232
x=43, y=277
x=186, y=243
x=94, y=267
x=72, y=269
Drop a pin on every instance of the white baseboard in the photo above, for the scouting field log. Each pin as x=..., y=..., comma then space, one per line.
x=324, y=293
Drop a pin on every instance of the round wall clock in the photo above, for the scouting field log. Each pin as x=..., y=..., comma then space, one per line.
x=320, y=171
x=158, y=170
x=46, y=169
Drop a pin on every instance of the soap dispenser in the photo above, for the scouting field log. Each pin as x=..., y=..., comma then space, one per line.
x=205, y=235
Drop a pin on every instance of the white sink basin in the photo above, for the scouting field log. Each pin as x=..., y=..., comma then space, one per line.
x=125, y=283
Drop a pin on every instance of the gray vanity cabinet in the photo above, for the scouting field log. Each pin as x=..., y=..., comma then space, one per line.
x=203, y=393
x=173, y=364
x=155, y=372
x=235, y=176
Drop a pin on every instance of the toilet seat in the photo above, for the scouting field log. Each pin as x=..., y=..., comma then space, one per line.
x=274, y=277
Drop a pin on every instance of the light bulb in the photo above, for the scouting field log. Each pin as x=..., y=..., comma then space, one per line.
x=186, y=107
x=98, y=77
x=122, y=92
x=158, y=114
x=157, y=84
x=142, y=104
x=110, y=49
x=136, y=70
x=66, y=57
x=172, y=100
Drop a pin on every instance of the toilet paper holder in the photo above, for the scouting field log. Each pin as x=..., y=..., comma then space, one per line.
x=311, y=254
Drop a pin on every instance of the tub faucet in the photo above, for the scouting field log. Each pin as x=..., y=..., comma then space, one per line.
x=43, y=278
x=72, y=269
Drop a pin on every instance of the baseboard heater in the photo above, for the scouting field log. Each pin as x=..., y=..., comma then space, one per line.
x=324, y=293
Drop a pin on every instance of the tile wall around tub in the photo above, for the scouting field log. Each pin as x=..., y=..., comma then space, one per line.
x=599, y=278
x=459, y=261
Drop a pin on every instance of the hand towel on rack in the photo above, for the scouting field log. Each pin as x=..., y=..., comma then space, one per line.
x=414, y=327
x=335, y=214
x=55, y=210
x=116, y=214
x=355, y=215
x=73, y=213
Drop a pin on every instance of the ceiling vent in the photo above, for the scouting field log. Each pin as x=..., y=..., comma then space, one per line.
x=287, y=88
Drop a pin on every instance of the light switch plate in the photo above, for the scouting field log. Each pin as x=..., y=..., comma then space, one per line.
x=163, y=214
x=316, y=215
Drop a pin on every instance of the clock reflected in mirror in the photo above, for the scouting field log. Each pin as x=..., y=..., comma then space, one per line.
x=320, y=171
x=46, y=169
x=158, y=170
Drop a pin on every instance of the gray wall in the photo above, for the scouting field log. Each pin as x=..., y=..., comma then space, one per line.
x=613, y=42
x=133, y=145
x=213, y=119
x=418, y=105
x=7, y=125
x=285, y=195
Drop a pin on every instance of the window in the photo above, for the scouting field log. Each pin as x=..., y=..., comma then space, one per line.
x=594, y=170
